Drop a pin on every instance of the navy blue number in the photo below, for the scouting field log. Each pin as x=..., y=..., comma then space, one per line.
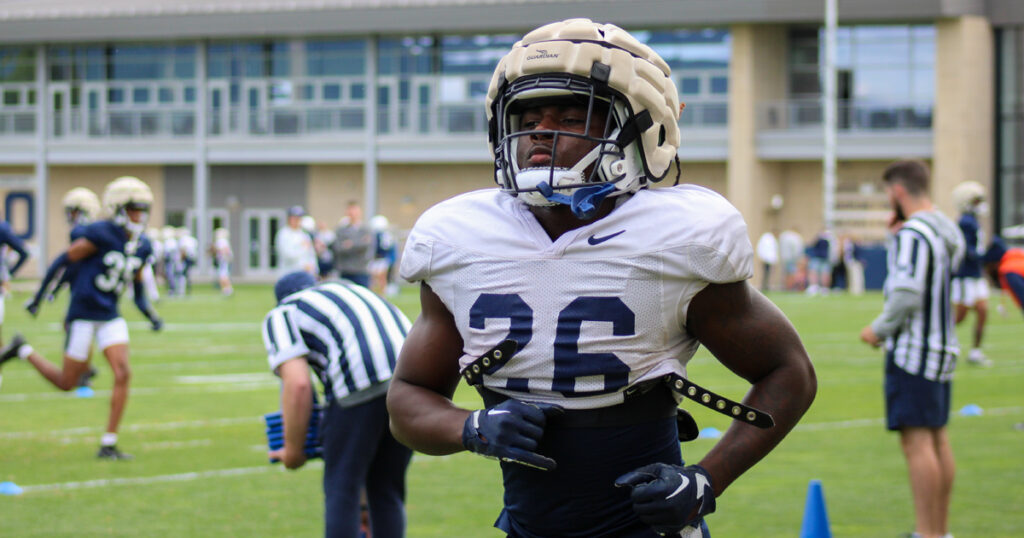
x=520, y=322
x=570, y=364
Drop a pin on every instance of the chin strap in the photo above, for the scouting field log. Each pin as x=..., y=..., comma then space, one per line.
x=584, y=201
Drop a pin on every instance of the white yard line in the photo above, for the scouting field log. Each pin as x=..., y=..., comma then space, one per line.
x=271, y=382
x=239, y=471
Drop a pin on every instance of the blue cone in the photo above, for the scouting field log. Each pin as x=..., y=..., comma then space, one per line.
x=9, y=488
x=971, y=410
x=709, y=433
x=84, y=392
x=815, y=516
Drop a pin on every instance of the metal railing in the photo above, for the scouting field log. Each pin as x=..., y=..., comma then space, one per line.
x=292, y=120
x=797, y=114
x=21, y=123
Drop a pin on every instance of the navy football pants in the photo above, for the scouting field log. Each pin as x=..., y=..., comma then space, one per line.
x=359, y=452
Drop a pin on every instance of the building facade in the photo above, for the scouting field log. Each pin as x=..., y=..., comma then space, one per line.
x=232, y=111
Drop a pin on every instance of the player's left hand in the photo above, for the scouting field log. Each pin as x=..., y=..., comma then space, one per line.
x=670, y=497
x=867, y=335
x=291, y=459
x=511, y=432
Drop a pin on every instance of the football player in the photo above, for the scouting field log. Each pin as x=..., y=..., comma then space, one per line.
x=605, y=288
x=109, y=254
x=81, y=206
x=9, y=239
x=222, y=260
x=969, y=287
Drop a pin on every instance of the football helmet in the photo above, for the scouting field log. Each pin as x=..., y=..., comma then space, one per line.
x=124, y=193
x=968, y=195
x=597, y=66
x=81, y=206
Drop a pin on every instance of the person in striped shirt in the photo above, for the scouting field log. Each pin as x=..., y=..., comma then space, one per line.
x=917, y=328
x=350, y=338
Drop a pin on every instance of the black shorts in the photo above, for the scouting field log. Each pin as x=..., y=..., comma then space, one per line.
x=913, y=401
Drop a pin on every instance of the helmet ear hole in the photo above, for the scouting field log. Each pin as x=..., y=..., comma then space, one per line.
x=661, y=136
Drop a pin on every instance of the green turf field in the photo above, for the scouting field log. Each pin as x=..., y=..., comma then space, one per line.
x=200, y=387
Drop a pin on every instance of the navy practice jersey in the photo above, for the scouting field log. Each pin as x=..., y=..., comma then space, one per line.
x=7, y=237
x=971, y=266
x=100, y=278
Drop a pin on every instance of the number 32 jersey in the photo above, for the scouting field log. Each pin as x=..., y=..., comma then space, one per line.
x=594, y=312
x=100, y=278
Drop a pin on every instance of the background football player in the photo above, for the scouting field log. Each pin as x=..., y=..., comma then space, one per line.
x=109, y=254
x=81, y=206
x=969, y=287
x=607, y=289
x=9, y=239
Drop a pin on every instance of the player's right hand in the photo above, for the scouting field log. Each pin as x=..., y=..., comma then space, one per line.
x=32, y=305
x=510, y=431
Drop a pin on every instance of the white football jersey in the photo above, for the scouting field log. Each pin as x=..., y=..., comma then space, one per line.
x=601, y=308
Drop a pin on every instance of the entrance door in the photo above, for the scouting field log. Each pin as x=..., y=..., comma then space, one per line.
x=259, y=228
x=216, y=217
x=256, y=109
x=218, y=107
x=61, y=109
x=424, y=104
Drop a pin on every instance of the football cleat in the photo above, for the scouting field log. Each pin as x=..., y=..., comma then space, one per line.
x=10, y=351
x=976, y=357
x=86, y=379
x=112, y=453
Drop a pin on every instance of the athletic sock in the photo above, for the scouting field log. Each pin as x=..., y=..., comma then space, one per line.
x=108, y=439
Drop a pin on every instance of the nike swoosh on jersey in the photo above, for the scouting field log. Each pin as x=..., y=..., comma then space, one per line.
x=595, y=240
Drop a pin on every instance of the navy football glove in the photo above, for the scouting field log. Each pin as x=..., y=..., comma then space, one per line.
x=32, y=305
x=670, y=497
x=510, y=431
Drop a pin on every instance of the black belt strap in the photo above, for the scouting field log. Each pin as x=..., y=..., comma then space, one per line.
x=496, y=357
x=653, y=402
x=717, y=403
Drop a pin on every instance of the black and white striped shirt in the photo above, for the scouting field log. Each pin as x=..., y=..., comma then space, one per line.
x=349, y=335
x=920, y=260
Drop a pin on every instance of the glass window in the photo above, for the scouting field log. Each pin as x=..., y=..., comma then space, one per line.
x=165, y=95
x=115, y=95
x=720, y=85
x=357, y=92
x=335, y=57
x=11, y=97
x=17, y=64
x=190, y=94
x=133, y=62
x=185, y=61
x=332, y=92
x=886, y=68
x=413, y=55
x=700, y=48
x=140, y=95
x=689, y=85
x=474, y=54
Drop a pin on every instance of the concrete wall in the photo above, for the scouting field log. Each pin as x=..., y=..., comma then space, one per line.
x=65, y=178
x=964, y=107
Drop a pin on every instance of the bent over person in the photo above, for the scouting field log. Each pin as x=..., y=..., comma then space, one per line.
x=349, y=337
x=604, y=290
